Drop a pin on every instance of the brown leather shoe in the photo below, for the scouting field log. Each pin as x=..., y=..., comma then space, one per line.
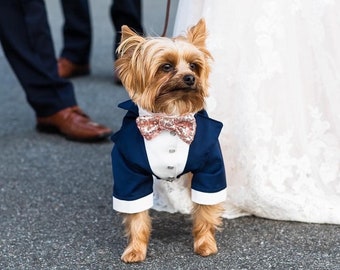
x=67, y=69
x=74, y=124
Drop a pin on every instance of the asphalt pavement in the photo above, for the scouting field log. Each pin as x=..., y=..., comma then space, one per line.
x=55, y=195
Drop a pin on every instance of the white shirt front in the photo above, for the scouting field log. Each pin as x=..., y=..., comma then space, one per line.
x=167, y=153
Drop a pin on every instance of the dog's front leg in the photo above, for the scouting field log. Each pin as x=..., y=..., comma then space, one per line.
x=206, y=219
x=138, y=229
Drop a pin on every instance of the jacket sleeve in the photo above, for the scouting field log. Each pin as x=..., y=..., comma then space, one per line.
x=209, y=180
x=132, y=185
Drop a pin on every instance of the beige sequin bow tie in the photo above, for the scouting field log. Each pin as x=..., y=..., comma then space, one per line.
x=151, y=125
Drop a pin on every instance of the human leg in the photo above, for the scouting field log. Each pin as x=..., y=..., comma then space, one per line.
x=27, y=44
x=77, y=33
x=26, y=40
x=126, y=12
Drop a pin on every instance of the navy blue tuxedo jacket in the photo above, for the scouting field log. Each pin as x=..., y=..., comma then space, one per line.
x=133, y=177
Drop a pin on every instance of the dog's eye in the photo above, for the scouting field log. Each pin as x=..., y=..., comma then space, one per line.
x=167, y=67
x=193, y=66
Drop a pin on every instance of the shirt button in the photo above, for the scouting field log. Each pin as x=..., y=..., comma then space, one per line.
x=170, y=167
x=172, y=150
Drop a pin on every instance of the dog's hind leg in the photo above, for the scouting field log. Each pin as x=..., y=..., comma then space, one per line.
x=138, y=230
x=206, y=220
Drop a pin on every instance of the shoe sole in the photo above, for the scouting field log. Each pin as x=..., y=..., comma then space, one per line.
x=54, y=130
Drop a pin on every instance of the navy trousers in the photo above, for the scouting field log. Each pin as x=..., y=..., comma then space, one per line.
x=77, y=31
x=27, y=43
x=126, y=12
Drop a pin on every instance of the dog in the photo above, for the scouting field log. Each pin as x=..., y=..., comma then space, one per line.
x=166, y=134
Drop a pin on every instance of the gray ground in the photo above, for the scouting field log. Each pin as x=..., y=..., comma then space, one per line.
x=55, y=195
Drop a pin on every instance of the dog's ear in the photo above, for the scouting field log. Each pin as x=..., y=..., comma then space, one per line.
x=197, y=34
x=129, y=41
x=128, y=51
x=126, y=33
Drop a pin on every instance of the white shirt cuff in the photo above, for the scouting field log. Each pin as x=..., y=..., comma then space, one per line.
x=208, y=198
x=132, y=207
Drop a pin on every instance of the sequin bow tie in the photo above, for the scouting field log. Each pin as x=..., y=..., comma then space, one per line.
x=151, y=125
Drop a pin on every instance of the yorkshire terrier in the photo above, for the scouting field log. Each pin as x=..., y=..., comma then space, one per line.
x=166, y=134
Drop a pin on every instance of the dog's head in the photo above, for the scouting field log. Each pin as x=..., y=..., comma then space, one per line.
x=165, y=75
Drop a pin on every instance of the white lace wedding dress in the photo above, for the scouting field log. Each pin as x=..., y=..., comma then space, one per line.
x=276, y=87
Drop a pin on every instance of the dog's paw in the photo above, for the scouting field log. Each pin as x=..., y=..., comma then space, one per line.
x=132, y=255
x=205, y=248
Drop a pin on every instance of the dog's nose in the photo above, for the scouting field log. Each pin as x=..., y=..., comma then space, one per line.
x=189, y=79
